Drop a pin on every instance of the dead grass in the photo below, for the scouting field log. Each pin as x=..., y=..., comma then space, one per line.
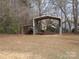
x=39, y=47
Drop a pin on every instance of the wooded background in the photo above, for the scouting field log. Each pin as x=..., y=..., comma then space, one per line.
x=14, y=14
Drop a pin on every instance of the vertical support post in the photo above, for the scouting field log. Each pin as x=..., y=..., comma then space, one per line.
x=34, y=30
x=60, y=27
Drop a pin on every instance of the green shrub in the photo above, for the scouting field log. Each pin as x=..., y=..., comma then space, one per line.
x=10, y=25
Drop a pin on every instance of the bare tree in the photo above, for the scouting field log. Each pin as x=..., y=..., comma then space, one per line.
x=75, y=13
x=62, y=5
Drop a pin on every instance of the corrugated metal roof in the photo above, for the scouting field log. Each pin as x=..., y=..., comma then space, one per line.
x=46, y=17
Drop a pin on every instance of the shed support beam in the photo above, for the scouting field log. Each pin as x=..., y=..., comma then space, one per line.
x=34, y=30
x=60, y=28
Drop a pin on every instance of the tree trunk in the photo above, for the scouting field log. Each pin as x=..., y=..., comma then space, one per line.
x=75, y=13
x=66, y=18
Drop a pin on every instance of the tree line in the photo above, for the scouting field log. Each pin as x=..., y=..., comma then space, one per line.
x=15, y=14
